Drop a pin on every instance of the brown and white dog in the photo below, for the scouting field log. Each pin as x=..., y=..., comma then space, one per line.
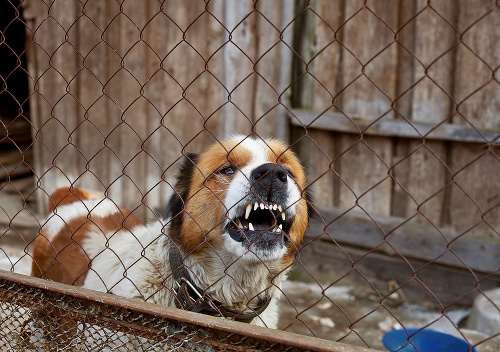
x=237, y=216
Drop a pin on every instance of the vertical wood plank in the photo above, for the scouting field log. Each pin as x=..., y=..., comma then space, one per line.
x=166, y=90
x=427, y=181
x=430, y=35
x=324, y=69
x=31, y=11
x=196, y=47
x=91, y=79
x=54, y=105
x=273, y=68
x=478, y=57
x=238, y=61
x=154, y=35
x=113, y=92
x=133, y=129
x=65, y=108
x=364, y=168
x=216, y=95
x=435, y=39
x=369, y=58
x=475, y=188
x=369, y=62
x=400, y=171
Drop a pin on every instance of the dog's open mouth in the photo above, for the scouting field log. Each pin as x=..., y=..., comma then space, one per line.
x=262, y=223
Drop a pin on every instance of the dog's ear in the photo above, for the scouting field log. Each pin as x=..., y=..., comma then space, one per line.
x=175, y=205
x=309, y=197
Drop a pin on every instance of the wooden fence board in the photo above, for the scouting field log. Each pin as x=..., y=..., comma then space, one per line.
x=91, y=80
x=320, y=62
x=393, y=128
x=51, y=69
x=238, y=57
x=273, y=68
x=369, y=58
x=476, y=95
x=112, y=91
x=369, y=84
x=475, y=195
x=427, y=181
x=435, y=38
x=133, y=129
x=478, y=57
x=132, y=88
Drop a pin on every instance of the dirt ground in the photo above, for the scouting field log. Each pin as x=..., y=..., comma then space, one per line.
x=353, y=316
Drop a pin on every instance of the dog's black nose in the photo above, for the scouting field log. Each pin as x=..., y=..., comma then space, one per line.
x=269, y=172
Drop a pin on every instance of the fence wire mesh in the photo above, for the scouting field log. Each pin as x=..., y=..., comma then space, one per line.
x=392, y=106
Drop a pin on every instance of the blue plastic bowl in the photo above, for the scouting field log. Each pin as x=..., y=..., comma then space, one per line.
x=423, y=340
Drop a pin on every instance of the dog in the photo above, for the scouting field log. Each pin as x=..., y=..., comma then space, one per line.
x=227, y=241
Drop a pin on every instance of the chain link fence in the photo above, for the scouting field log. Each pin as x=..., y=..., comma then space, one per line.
x=392, y=106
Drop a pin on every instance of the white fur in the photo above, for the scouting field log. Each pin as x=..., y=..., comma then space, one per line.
x=135, y=265
x=131, y=264
x=239, y=189
x=64, y=214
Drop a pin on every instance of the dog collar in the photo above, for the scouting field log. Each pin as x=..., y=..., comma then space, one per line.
x=190, y=297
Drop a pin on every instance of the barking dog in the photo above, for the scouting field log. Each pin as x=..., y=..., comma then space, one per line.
x=234, y=223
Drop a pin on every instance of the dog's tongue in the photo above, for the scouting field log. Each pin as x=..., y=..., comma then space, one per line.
x=264, y=226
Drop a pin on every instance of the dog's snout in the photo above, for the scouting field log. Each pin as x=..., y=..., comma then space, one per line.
x=270, y=172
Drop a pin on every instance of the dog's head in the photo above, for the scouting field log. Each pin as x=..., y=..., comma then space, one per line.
x=243, y=196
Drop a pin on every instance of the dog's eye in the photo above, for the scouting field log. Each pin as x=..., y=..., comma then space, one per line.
x=228, y=170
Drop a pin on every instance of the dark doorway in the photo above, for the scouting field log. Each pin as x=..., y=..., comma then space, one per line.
x=15, y=128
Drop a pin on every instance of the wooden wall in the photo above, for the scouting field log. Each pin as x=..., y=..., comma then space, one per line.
x=398, y=110
x=393, y=105
x=120, y=90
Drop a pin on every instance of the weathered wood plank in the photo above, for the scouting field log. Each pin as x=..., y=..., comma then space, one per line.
x=162, y=35
x=342, y=264
x=239, y=57
x=435, y=38
x=368, y=87
x=396, y=238
x=425, y=78
x=53, y=105
x=476, y=92
x=92, y=115
x=216, y=95
x=369, y=58
x=274, y=26
x=364, y=171
x=427, y=181
x=320, y=53
x=113, y=92
x=475, y=168
x=393, y=128
x=133, y=130
x=475, y=190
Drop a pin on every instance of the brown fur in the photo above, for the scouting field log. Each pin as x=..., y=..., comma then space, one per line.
x=62, y=258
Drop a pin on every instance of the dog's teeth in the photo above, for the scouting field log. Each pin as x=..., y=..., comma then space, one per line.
x=280, y=228
x=262, y=206
x=255, y=206
x=248, y=210
x=275, y=206
x=283, y=216
x=250, y=226
x=280, y=208
x=239, y=224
